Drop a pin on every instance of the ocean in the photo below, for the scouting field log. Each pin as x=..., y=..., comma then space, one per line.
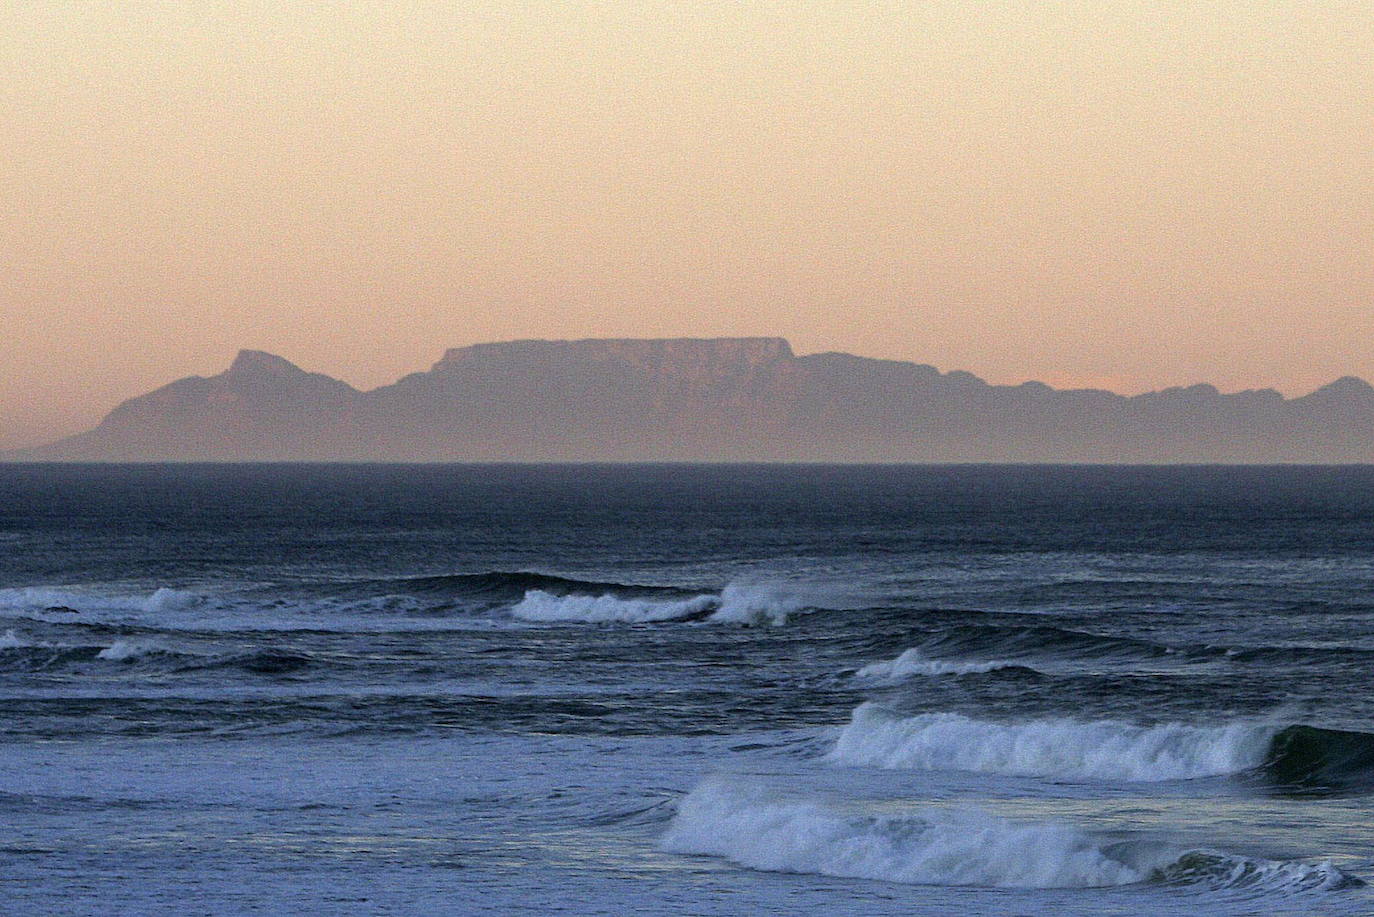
x=706, y=690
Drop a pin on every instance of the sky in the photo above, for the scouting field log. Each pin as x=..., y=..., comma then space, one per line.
x=1128, y=195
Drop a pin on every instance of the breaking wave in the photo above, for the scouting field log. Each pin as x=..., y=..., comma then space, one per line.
x=913, y=663
x=735, y=604
x=126, y=651
x=1297, y=756
x=1064, y=749
x=67, y=601
x=538, y=605
x=761, y=603
x=745, y=823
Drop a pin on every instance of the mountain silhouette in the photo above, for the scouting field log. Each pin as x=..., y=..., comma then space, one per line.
x=722, y=399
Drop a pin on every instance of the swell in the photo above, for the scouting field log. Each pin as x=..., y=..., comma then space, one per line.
x=21, y=656
x=495, y=586
x=1021, y=641
x=1011, y=642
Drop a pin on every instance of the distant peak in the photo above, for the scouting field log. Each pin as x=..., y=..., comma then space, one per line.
x=261, y=363
x=1347, y=385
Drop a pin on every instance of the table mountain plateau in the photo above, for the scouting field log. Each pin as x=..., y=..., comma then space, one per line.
x=726, y=399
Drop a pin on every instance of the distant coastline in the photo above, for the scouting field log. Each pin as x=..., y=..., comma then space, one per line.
x=707, y=400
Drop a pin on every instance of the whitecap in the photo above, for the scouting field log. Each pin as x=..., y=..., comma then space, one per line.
x=1053, y=748
x=746, y=823
x=125, y=651
x=759, y=603
x=913, y=662
x=538, y=605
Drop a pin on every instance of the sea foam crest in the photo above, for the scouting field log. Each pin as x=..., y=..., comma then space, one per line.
x=538, y=605
x=9, y=640
x=737, y=603
x=759, y=603
x=913, y=663
x=125, y=651
x=745, y=824
x=1067, y=749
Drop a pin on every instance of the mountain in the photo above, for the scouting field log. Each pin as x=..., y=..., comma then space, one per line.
x=724, y=399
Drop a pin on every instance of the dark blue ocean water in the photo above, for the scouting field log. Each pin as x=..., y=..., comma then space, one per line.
x=686, y=690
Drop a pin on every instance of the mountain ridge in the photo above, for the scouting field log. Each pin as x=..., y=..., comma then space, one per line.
x=705, y=399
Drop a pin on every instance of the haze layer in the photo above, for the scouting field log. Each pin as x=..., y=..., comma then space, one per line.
x=1133, y=195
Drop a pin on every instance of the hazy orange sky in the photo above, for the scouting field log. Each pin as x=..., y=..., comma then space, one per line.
x=1130, y=194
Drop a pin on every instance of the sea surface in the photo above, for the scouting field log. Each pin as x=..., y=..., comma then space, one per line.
x=967, y=690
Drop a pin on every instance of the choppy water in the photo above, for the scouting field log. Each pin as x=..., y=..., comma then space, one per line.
x=763, y=690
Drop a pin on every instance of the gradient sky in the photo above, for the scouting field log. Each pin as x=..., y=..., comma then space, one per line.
x=1128, y=194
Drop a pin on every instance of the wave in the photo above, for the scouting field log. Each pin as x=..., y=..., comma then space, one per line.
x=1295, y=756
x=259, y=662
x=1053, y=748
x=67, y=601
x=127, y=651
x=762, y=603
x=538, y=605
x=988, y=640
x=737, y=603
x=405, y=604
x=745, y=823
x=1220, y=871
x=497, y=586
x=27, y=656
x=1313, y=758
x=1301, y=655
x=913, y=662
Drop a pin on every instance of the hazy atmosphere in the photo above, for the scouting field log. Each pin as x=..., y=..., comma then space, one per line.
x=890, y=459
x=1128, y=195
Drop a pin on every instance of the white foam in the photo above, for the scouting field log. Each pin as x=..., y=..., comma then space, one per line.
x=36, y=598
x=1219, y=871
x=745, y=824
x=1067, y=749
x=759, y=603
x=9, y=640
x=41, y=598
x=538, y=605
x=912, y=663
x=737, y=603
x=171, y=600
x=125, y=651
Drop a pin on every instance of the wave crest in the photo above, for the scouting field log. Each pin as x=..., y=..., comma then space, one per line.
x=125, y=651
x=737, y=603
x=913, y=662
x=538, y=605
x=746, y=824
x=743, y=823
x=1066, y=749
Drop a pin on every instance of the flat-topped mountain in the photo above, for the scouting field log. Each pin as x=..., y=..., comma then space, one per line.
x=720, y=399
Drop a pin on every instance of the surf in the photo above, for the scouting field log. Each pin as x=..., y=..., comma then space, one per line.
x=744, y=822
